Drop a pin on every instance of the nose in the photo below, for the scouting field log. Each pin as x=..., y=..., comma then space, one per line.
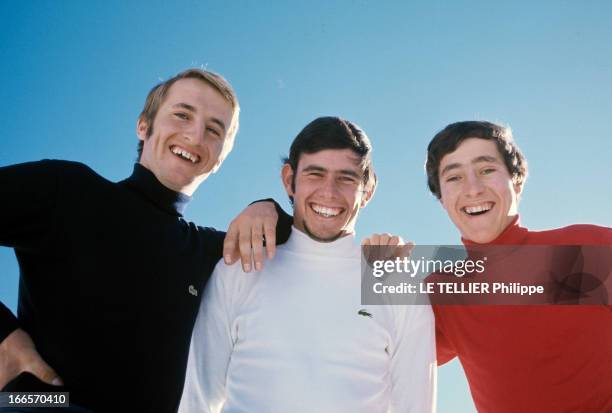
x=195, y=133
x=328, y=187
x=472, y=185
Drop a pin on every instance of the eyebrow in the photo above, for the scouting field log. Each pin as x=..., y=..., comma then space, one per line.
x=186, y=106
x=479, y=159
x=316, y=168
x=193, y=109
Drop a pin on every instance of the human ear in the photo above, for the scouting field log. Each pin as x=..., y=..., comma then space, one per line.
x=518, y=189
x=367, y=196
x=142, y=129
x=287, y=178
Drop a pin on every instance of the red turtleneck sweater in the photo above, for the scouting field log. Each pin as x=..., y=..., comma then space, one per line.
x=541, y=358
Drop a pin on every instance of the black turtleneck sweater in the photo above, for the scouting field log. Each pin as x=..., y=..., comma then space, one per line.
x=111, y=280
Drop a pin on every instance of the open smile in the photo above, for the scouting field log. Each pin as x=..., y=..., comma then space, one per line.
x=326, y=211
x=479, y=209
x=184, y=154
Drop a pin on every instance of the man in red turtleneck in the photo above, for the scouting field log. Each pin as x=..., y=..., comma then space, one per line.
x=546, y=358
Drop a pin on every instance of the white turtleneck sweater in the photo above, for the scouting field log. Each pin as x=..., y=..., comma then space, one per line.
x=290, y=339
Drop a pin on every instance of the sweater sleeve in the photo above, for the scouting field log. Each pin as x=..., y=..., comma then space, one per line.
x=29, y=193
x=8, y=322
x=211, y=347
x=413, y=360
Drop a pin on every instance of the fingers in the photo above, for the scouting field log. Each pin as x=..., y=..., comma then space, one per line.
x=377, y=247
x=246, y=234
x=230, y=244
x=270, y=221
x=396, y=240
x=37, y=366
x=270, y=234
x=409, y=247
x=244, y=238
x=238, y=242
x=18, y=354
x=244, y=243
x=258, y=229
x=257, y=246
x=373, y=246
x=382, y=240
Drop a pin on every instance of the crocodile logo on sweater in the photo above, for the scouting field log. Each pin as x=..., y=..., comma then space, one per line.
x=364, y=313
x=193, y=291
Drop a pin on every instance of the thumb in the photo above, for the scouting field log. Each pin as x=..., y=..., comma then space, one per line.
x=43, y=371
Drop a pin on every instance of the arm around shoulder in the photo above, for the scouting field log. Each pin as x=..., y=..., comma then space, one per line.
x=262, y=220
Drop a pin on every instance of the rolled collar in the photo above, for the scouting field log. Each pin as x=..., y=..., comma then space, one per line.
x=146, y=184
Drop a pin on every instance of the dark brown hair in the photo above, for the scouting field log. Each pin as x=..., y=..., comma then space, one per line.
x=449, y=138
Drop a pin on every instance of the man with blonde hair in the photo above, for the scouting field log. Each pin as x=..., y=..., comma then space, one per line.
x=111, y=273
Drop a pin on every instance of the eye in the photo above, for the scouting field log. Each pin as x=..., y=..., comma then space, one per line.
x=487, y=171
x=182, y=115
x=314, y=174
x=347, y=179
x=453, y=178
x=214, y=131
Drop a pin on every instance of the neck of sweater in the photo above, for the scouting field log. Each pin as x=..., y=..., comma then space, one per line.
x=144, y=182
x=513, y=234
x=343, y=247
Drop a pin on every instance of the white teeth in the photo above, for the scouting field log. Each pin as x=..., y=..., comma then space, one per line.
x=478, y=208
x=184, y=154
x=325, y=211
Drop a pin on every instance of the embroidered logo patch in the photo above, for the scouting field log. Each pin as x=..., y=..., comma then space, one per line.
x=193, y=291
x=364, y=313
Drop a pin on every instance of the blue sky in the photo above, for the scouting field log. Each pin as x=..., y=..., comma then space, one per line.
x=75, y=74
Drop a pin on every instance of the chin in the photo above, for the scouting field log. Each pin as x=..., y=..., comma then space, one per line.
x=324, y=236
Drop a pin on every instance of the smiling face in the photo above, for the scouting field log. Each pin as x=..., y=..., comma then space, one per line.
x=189, y=136
x=477, y=190
x=327, y=192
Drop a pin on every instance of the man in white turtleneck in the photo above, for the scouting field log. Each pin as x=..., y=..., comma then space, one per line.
x=295, y=337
